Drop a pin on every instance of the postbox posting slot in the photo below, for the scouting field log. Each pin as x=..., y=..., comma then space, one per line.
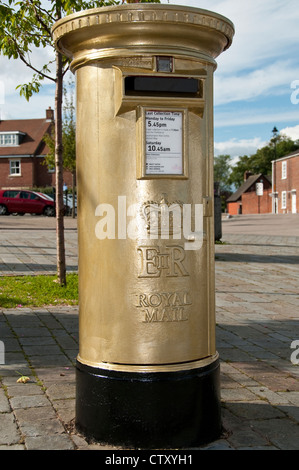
x=163, y=86
x=142, y=87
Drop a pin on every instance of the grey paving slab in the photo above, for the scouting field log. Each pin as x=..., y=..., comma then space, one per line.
x=9, y=433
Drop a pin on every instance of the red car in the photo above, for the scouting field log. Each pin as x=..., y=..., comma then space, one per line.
x=15, y=201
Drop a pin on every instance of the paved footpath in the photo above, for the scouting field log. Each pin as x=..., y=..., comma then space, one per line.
x=257, y=297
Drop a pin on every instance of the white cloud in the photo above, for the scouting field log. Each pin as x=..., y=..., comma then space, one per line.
x=254, y=116
x=236, y=148
x=274, y=79
x=19, y=108
x=292, y=132
x=15, y=72
x=263, y=29
x=263, y=57
x=258, y=32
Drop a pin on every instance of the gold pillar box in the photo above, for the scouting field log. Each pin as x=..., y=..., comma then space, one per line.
x=147, y=359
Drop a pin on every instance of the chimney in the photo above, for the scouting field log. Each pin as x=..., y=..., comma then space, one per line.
x=49, y=114
x=247, y=174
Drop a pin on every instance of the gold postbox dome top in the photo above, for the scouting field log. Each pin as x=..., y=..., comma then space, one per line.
x=141, y=29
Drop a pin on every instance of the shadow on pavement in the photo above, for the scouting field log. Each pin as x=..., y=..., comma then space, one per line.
x=251, y=258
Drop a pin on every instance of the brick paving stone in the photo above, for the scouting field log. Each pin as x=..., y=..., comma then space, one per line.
x=56, y=374
x=13, y=447
x=50, y=361
x=65, y=409
x=237, y=394
x=292, y=397
x=23, y=390
x=229, y=382
x=30, y=401
x=4, y=404
x=61, y=391
x=282, y=433
x=290, y=410
x=43, y=428
x=53, y=442
x=9, y=433
x=36, y=341
x=41, y=350
x=254, y=410
x=33, y=414
x=240, y=433
x=15, y=364
x=275, y=379
x=273, y=397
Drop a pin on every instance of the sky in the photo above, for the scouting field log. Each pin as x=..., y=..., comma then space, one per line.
x=256, y=84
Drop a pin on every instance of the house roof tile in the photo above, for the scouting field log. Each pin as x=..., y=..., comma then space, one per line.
x=32, y=143
x=245, y=186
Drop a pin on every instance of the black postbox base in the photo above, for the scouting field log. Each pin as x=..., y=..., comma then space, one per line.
x=149, y=410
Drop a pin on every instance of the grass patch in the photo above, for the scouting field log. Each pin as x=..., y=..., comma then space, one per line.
x=37, y=291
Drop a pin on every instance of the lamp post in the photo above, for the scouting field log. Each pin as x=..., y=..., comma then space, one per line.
x=275, y=135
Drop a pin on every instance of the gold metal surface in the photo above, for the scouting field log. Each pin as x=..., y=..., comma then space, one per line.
x=143, y=30
x=145, y=304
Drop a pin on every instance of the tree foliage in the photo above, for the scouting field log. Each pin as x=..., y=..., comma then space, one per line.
x=26, y=25
x=68, y=134
x=261, y=161
x=222, y=171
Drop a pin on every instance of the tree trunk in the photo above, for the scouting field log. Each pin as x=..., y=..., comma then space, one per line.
x=61, y=265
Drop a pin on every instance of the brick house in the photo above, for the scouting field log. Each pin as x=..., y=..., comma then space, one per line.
x=22, y=153
x=252, y=197
x=285, y=183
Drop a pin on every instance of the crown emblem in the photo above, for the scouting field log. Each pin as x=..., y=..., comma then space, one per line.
x=164, y=217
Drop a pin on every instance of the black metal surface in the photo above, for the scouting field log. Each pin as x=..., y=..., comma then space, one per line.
x=142, y=410
x=168, y=86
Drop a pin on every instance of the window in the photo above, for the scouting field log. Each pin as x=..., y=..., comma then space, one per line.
x=284, y=200
x=15, y=167
x=284, y=170
x=24, y=195
x=11, y=138
x=10, y=193
x=34, y=196
x=8, y=139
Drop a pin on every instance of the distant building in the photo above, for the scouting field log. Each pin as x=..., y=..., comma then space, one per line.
x=23, y=151
x=285, y=183
x=252, y=197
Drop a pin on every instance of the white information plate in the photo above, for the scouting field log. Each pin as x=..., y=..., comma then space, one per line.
x=164, y=142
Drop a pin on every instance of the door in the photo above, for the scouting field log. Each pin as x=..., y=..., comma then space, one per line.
x=294, y=208
x=24, y=202
x=11, y=200
x=275, y=208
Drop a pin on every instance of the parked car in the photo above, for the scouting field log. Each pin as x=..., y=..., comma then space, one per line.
x=13, y=201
